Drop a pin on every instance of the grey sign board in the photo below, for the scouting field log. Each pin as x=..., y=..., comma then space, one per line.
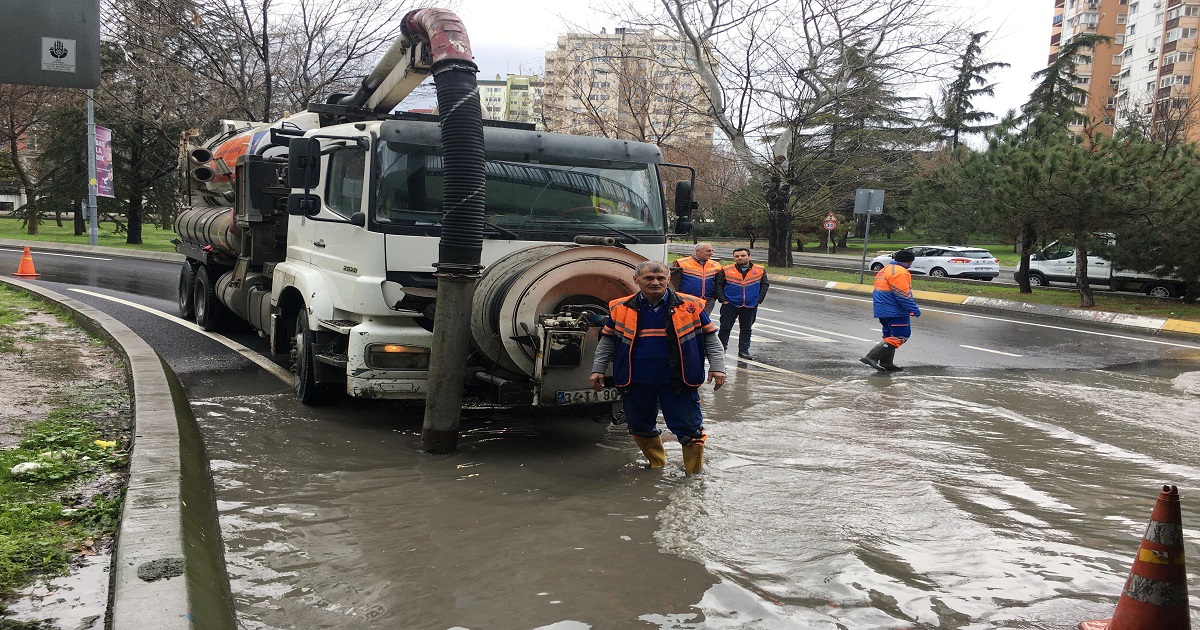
x=868, y=201
x=50, y=42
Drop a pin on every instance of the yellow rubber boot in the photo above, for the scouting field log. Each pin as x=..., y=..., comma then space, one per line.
x=693, y=457
x=653, y=449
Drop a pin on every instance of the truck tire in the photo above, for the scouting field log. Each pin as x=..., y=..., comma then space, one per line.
x=1161, y=290
x=308, y=390
x=1036, y=279
x=210, y=313
x=187, y=291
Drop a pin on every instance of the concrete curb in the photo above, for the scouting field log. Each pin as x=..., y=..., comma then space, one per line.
x=34, y=246
x=162, y=534
x=1138, y=323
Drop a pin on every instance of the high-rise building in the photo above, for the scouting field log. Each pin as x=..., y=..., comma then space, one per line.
x=1143, y=76
x=1159, y=58
x=626, y=84
x=516, y=98
x=1098, y=70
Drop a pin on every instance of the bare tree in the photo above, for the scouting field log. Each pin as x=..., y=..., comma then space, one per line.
x=764, y=63
x=22, y=108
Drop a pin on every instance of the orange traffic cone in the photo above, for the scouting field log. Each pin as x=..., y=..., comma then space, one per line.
x=1155, y=595
x=25, y=269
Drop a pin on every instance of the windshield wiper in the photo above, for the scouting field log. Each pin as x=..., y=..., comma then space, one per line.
x=635, y=240
x=504, y=231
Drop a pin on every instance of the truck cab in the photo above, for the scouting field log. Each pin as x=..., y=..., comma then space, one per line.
x=1056, y=263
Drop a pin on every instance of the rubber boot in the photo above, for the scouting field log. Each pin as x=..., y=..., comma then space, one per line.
x=653, y=449
x=886, y=360
x=693, y=457
x=873, y=357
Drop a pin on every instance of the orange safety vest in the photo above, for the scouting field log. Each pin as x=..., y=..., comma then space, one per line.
x=698, y=279
x=742, y=291
x=685, y=336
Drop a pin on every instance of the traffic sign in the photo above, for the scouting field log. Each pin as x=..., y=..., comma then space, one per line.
x=868, y=201
x=830, y=224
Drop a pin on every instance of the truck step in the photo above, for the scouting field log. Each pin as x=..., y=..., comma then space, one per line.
x=342, y=326
x=336, y=360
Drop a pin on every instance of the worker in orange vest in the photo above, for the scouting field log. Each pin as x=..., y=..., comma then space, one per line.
x=697, y=275
x=893, y=304
x=741, y=287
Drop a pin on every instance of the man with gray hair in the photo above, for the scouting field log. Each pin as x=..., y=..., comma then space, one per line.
x=657, y=341
x=697, y=275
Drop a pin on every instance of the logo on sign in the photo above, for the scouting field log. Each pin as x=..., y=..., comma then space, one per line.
x=58, y=51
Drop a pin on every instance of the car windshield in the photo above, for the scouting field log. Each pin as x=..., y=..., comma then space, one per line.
x=974, y=254
x=525, y=194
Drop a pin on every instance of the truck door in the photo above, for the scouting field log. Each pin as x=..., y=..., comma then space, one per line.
x=1099, y=270
x=338, y=247
x=1060, y=262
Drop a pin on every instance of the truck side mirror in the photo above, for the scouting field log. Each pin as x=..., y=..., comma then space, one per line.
x=683, y=199
x=300, y=204
x=683, y=225
x=304, y=161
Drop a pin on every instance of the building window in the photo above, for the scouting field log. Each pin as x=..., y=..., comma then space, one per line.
x=1177, y=34
x=1133, y=8
x=1083, y=79
x=1119, y=39
x=1130, y=30
x=1122, y=18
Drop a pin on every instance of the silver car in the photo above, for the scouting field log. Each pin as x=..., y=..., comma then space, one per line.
x=947, y=261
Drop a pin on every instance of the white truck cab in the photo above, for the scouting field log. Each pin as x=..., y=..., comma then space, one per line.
x=1056, y=263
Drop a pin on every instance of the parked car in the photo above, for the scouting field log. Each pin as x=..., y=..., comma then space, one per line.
x=1056, y=263
x=947, y=261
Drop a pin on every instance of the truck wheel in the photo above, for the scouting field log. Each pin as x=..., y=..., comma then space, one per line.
x=210, y=313
x=1160, y=290
x=187, y=296
x=1037, y=280
x=308, y=390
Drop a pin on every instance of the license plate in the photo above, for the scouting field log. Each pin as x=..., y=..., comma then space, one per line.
x=983, y=269
x=587, y=396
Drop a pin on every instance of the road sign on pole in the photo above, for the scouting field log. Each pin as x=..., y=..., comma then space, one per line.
x=867, y=201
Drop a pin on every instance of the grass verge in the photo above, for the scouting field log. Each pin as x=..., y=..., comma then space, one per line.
x=61, y=485
x=154, y=239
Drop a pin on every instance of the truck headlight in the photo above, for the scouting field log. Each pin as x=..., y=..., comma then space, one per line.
x=390, y=356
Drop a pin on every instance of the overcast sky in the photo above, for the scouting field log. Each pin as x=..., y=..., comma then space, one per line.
x=512, y=37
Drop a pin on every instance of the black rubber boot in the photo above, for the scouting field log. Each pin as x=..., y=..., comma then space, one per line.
x=875, y=355
x=886, y=360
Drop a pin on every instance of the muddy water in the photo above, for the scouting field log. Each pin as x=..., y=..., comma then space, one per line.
x=998, y=499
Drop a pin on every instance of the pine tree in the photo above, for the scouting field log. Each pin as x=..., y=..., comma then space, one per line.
x=958, y=115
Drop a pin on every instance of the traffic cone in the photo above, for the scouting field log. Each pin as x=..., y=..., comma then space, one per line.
x=1155, y=595
x=25, y=269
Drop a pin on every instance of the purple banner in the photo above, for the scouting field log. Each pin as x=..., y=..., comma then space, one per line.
x=104, y=165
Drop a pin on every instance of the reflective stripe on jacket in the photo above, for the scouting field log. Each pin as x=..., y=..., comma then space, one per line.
x=685, y=337
x=892, y=296
x=698, y=279
x=743, y=291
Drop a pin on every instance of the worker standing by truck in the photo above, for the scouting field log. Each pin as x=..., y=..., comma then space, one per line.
x=697, y=275
x=657, y=341
x=741, y=287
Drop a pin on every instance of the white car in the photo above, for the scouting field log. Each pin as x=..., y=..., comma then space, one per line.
x=947, y=261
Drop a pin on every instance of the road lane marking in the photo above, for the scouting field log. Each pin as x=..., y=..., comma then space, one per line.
x=1012, y=321
x=779, y=370
x=258, y=359
x=794, y=334
x=45, y=253
x=819, y=330
x=1007, y=354
x=771, y=310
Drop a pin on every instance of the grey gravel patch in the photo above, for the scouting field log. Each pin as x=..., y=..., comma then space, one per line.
x=163, y=568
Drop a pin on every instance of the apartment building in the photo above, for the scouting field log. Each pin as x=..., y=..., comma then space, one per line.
x=1144, y=76
x=1159, y=60
x=625, y=84
x=516, y=98
x=1099, y=71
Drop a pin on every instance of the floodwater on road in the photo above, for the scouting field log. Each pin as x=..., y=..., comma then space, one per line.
x=927, y=499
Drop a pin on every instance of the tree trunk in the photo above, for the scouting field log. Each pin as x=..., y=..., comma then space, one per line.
x=800, y=243
x=779, y=238
x=80, y=224
x=1086, y=298
x=1025, y=242
x=752, y=239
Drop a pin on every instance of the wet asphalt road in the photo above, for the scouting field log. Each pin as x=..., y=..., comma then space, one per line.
x=1003, y=480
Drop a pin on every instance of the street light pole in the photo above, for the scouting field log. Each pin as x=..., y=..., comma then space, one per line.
x=93, y=221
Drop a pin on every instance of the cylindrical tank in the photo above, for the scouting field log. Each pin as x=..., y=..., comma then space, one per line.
x=514, y=290
x=213, y=227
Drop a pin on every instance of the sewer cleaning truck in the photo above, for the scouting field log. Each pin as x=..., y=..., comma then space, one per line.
x=329, y=230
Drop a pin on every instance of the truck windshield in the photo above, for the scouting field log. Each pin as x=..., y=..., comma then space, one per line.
x=547, y=195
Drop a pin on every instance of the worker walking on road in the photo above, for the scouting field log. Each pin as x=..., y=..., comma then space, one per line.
x=893, y=305
x=657, y=341
x=741, y=287
x=697, y=275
